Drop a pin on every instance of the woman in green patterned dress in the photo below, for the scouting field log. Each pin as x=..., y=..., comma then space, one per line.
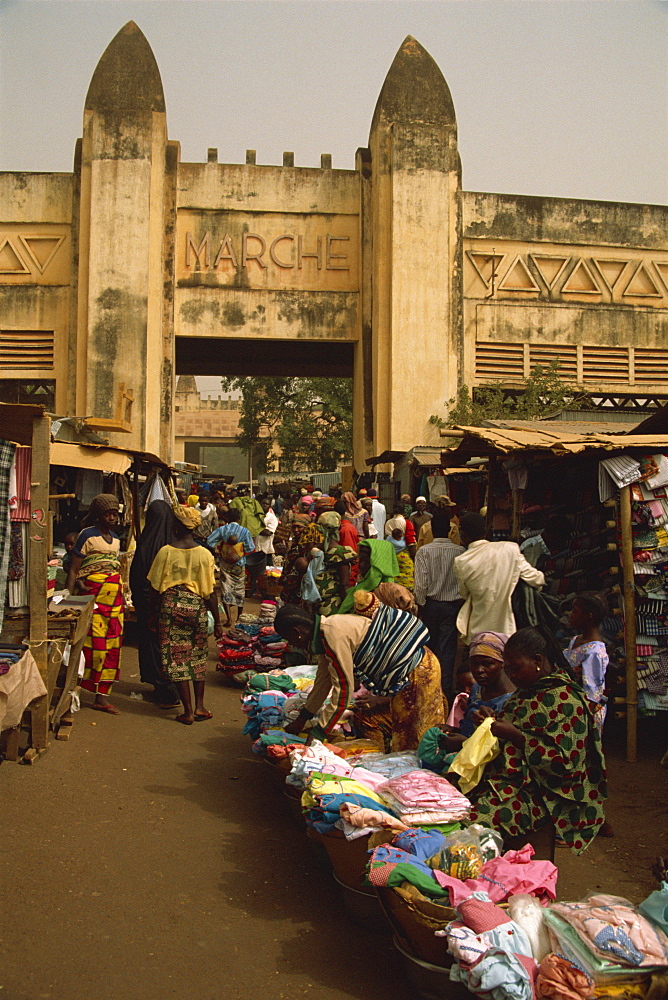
x=551, y=767
x=334, y=580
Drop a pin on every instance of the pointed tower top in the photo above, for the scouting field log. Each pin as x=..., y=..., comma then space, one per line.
x=414, y=90
x=127, y=78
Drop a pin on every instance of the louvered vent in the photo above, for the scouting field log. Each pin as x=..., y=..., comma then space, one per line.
x=605, y=364
x=565, y=354
x=26, y=349
x=651, y=365
x=499, y=361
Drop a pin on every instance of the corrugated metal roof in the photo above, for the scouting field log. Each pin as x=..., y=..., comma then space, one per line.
x=553, y=437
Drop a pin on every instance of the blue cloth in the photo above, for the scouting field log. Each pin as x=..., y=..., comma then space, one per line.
x=223, y=533
x=309, y=590
x=423, y=844
x=467, y=726
x=327, y=813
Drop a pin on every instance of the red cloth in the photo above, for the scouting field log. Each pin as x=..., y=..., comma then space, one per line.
x=410, y=532
x=348, y=536
x=481, y=915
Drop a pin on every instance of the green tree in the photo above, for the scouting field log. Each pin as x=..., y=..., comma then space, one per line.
x=541, y=395
x=310, y=419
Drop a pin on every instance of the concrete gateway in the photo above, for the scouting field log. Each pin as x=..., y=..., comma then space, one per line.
x=137, y=267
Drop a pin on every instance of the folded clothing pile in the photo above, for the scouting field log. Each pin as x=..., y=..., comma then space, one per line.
x=264, y=711
x=422, y=797
x=607, y=937
x=268, y=610
x=251, y=643
x=326, y=794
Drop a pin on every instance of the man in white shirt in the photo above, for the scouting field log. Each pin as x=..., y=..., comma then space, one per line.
x=487, y=574
x=265, y=540
x=378, y=513
x=436, y=593
x=209, y=521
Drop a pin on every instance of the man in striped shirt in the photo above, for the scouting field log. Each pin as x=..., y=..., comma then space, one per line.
x=437, y=594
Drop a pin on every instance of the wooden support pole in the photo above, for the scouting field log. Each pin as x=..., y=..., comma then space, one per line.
x=629, y=593
x=38, y=534
x=518, y=500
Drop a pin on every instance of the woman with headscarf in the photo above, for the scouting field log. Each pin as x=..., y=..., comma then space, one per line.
x=356, y=514
x=377, y=563
x=96, y=569
x=381, y=650
x=550, y=773
x=400, y=722
x=182, y=574
x=232, y=542
x=491, y=691
x=331, y=579
x=158, y=530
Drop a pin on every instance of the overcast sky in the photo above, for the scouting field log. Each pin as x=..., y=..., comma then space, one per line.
x=566, y=98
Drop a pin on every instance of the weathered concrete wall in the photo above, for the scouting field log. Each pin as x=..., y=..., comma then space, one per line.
x=35, y=270
x=581, y=282
x=267, y=252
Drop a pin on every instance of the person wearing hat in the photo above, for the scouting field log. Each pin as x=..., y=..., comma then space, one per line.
x=182, y=574
x=420, y=515
x=96, y=569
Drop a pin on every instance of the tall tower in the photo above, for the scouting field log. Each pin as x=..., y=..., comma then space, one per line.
x=412, y=246
x=122, y=330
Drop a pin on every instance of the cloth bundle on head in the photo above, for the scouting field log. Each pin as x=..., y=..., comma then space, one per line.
x=193, y=500
x=384, y=569
x=395, y=596
x=489, y=644
x=188, y=516
x=366, y=604
x=444, y=502
x=317, y=493
x=99, y=505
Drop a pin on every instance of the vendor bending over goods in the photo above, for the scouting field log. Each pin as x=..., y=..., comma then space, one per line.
x=383, y=650
x=551, y=770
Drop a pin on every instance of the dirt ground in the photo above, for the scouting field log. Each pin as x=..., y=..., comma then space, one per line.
x=144, y=859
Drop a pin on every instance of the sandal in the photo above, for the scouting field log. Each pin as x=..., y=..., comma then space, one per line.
x=184, y=720
x=203, y=716
x=108, y=708
x=167, y=708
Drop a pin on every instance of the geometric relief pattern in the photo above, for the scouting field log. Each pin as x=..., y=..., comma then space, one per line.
x=26, y=254
x=10, y=260
x=613, y=277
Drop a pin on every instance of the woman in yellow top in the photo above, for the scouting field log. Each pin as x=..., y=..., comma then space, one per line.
x=182, y=573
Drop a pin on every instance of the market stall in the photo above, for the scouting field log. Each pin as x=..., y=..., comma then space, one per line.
x=581, y=473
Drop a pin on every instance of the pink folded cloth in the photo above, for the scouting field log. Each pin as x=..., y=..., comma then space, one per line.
x=512, y=873
x=361, y=817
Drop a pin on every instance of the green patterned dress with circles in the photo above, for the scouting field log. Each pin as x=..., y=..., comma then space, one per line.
x=558, y=774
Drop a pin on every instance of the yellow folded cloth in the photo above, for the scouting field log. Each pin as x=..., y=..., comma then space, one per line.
x=476, y=752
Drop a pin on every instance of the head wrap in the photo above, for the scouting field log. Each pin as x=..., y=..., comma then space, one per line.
x=395, y=596
x=330, y=522
x=100, y=505
x=444, y=501
x=317, y=493
x=384, y=569
x=406, y=497
x=193, y=500
x=361, y=493
x=352, y=506
x=307, y=499
x=189, y=516
x=489, y=644
x=366, y=604
x=417, y=499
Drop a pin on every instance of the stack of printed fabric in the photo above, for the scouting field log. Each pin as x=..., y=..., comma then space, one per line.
x=253, y=642
x=236, y=651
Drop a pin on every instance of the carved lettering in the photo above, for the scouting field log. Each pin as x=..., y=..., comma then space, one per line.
x=201, y=250
x=301, y=253
x=226, y=252
x=246, y=255
x=330, y=257
x=272, y=251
